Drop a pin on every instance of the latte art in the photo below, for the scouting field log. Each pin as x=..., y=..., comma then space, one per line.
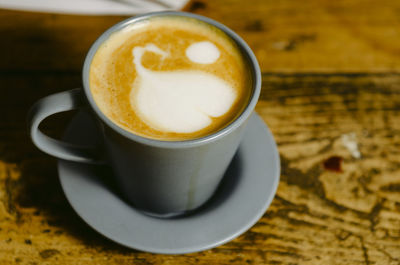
x=170, y=79
x=178, y=101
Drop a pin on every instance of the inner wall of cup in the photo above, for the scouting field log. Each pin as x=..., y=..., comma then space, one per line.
x=244, y=49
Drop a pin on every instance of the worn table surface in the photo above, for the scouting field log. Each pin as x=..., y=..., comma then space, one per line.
x=331, y=73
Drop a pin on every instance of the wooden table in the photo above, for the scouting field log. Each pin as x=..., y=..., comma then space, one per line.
x=331, y=81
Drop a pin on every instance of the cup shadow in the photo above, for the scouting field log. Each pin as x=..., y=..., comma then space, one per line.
x=225, y=189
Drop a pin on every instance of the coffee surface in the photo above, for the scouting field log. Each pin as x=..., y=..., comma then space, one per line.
x=170, y=78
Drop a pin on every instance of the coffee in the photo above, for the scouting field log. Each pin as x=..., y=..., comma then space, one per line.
x=170, y=78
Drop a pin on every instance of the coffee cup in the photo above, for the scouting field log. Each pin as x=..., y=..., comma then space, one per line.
x=173, y=157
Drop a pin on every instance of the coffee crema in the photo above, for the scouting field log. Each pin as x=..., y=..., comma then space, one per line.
x=170, y=78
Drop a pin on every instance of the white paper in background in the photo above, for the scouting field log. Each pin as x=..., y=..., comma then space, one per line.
x=93, y=7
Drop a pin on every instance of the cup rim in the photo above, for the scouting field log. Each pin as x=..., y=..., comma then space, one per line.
x=252, y=61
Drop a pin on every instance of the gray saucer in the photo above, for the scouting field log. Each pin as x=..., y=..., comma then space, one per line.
x=242, y=198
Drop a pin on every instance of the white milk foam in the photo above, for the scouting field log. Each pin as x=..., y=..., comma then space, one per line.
x=180, y=101
x=203, y=52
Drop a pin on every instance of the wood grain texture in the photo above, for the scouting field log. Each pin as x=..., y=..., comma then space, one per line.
x=330, y=68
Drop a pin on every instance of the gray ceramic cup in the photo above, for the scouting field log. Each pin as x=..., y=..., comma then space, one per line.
x=162, y=178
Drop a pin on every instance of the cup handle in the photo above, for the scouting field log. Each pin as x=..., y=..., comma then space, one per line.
x=60, y=102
